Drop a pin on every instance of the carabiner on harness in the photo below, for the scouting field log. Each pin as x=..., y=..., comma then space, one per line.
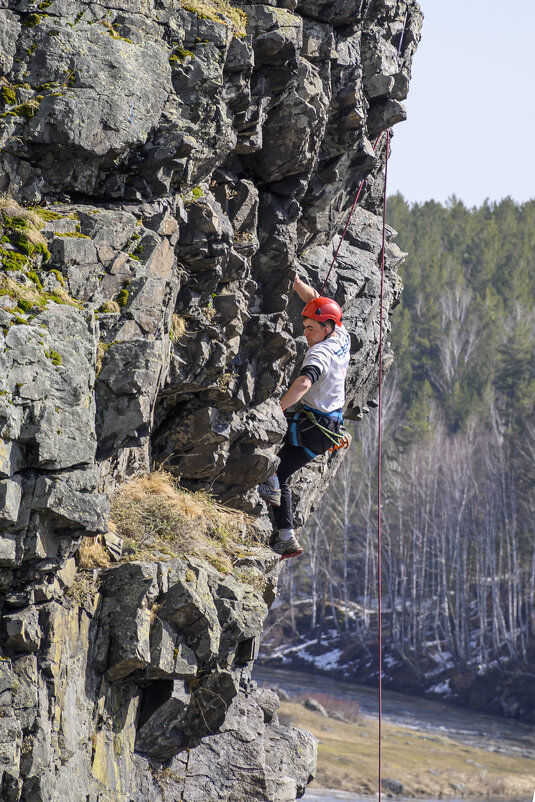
x=345, y=440
x=340, y=439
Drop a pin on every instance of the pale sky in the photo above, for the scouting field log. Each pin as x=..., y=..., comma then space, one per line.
x=470, y=128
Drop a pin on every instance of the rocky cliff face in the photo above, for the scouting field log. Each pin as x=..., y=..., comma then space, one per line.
x=166, y=166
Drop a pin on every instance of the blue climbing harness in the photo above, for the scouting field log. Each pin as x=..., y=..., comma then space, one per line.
x=336, y=438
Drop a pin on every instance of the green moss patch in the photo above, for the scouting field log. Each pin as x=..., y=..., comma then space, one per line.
x=9, y=95
x=58, y=276
x=72, y=235
x=32, y=20
x=180, y=55
x=122, y=297
x=24, y=305
x=113, y=32
x=46, y=214
x=11, y=260
x=20, y=227
x=54, y=357
x=110, y=307
x=32, y=275
x=29, y=295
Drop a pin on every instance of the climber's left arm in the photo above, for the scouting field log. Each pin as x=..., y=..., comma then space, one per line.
x=304, y=291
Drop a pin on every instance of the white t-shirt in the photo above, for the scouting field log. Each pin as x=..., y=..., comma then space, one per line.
x=327, y=367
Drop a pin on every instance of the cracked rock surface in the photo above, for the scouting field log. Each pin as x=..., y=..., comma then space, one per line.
x=183, y=168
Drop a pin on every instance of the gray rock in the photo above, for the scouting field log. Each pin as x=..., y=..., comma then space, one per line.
x=241, y=611
x=10, y=751
x=9, y=31
x=169, y=658
x=211, y=700
x=189, y=606
x=339, y=717
x=124, y=645
x=281, y=693
x=114, y=545
x=394, y=786
x=22, y=630
x=70, y=501
x=269, y=702
x=312, y=704
x=160, y=733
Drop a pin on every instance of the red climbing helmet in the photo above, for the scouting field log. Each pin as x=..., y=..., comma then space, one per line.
x=323, y=309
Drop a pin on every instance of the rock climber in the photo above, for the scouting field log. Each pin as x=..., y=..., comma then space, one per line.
x=315, y=426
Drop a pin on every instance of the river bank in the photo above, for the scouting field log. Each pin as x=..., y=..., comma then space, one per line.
x=501, y=690
x=416, y=765
x=431, y=749
x=332, y=795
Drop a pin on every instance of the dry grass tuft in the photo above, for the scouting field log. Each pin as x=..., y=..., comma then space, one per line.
x=31, y=222
x=92, y=554
x=220, y=11
x=30, y=293
x=21, y=292
x=10, y=208
x=178, y=328
x=156, y=517
x=84, y=588
x=110, y=306
x=65, y=298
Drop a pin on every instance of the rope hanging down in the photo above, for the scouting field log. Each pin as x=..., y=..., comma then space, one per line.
x=379, y=477
x=357, y=196
x=379, y=420
x=379, y=439
x=379, y=453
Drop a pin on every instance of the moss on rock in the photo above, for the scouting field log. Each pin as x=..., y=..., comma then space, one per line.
x=9, y=95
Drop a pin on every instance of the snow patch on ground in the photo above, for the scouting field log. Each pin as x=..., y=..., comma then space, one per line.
x=443, y=659
x=328, y=660
x=443, y=662
x=287, y=652
x=442, y=688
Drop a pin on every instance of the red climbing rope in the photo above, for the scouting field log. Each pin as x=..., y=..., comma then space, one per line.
x=379, y=440
x=379, y=477
x=357, y=196
x=379, y=455
x=379, y=423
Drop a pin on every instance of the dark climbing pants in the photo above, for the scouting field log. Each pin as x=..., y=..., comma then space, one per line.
x=293, y=457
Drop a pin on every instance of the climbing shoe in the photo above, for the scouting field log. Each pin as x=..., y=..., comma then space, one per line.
x=270, y=491
x=286, y=548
